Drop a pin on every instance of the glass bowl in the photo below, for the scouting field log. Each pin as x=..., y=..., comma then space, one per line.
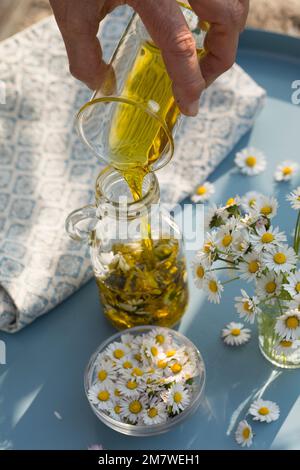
x=143, y=429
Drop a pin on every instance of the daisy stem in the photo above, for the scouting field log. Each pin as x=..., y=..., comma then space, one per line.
x=224, y=267
x=230, y=280
x=279, y=305
x=297, y=235
x=226, y=260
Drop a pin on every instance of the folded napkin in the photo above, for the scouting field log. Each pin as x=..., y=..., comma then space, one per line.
x=45, y=172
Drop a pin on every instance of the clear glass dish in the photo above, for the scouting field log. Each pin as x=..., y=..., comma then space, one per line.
x=148, y=430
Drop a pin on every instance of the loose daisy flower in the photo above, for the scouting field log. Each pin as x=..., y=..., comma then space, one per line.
x=294, y=199
x=287, y=347
x=250, y=161
x=288, y=325
x=132, y=409
x=200, y=267
x=293, y=286
x=131, y=387
x=250, y=268
x=244, y=434
x=266, y=206
x=203, y=192
x=285, y=171
x=280, y=259
x=213, y=288
x=101, y=395
x=234, y=334
x=155, y=412
x=247, y=307
x=269, y=286
x=265, y=239
x=264, y=410
x=177, y=397
x=249, y=200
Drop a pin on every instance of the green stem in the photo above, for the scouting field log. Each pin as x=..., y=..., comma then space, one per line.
x=224, y=267
x=230, y=280
x=279, y=305
x=297, y=235
x=225, y=260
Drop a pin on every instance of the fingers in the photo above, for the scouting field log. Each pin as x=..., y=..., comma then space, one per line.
x=227, y=20
x=78, y=21
x=167, y=27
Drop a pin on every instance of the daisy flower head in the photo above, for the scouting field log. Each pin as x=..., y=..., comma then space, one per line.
x=208, y=249
x=269, y=286
x=280, y=259
x=131, y=387
x=244, y=434
x=295, y=303
x=127, y=339
x=251, y=266
x=213, y=288
x=231, y=202
x=264, y=410
x=155, y=412
x=215, y=217
x=294, y=199
x=115, y=410
x=227, y=235
x=160, y=337
x=241, y=243
x=104, y=371
x=200, y=268
x=266, y=206
x=132, y=409
x=234, y=334
x=265, y=239
x=247, y=307
x=203, y=192
x=150, y=349
x=287, y=326
x=287, y=347
x=126, y=364
x=101, y=396
x=116, y=351
x=177, y=397
x=250, y=161
x=285, y=171
x=249, y=200
x=293, y=286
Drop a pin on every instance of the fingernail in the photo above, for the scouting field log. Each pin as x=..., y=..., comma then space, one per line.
x=193, y=108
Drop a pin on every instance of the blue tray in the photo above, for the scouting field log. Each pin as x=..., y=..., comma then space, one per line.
x=45, y=362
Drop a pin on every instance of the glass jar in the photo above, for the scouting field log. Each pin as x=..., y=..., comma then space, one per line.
x=136, y=251
x=131, y=119
x=278, y=351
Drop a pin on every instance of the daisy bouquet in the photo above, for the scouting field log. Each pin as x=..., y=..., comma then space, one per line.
x=243, y=242
x=145, y=379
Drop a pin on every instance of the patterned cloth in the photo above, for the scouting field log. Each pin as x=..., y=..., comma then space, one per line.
x=45, y=172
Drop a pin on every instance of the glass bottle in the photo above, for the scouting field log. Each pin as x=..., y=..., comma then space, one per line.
x=136, y=251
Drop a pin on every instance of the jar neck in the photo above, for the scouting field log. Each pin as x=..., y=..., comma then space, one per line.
x=113, y=196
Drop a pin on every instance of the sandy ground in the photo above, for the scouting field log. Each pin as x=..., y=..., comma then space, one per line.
x=275, y=15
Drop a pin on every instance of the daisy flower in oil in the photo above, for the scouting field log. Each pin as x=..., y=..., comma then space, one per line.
x=251, y=266
x=101, y=395
x=247, y=307
x=244, y=434
x=213, y=288
x=200, y=268
x=269, y=286
x=266, y=238
x=293, y=286
x=280, y=259
x=264, y=410
x=249, y=200
x=234, y=334
x=294, y=199
x=203, y=192
x=266, y=206
x=155, y=412
x=177, y=398
x=285, y=171
x=250, y=161
x=132, y=409
x=287, y=347
x=288, y=325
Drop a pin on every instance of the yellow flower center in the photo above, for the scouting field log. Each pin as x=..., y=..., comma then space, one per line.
x=118, y=353
x=270, y=287
x=285, y=343
x=253, y=267
x=200, y=272
x=207, y=247
x=135, y=407
x=154, y=351
x=117, y=409
x=213, y=286
x=162, y=364
x=117, y=393
x=152, y=412
x=131, y=385
x=138, y=357
x=137, y=372
x=247, y=307
x=227, y=240
x=246, y=433
x=171, y=353
x=177, y=397
x=176, y=368
x=264, y=411
x=252, y=202
x=266, y=210
x=235, y=332
x=251, y=161
x=287, y=170
x=279, y=258
x=160, y=339
x=297, y=287
x=292, y=322
x=102, y=374
x=127, y=365
x=267, y=237
x=230, y=201
x=103, y=395
x=201, y=190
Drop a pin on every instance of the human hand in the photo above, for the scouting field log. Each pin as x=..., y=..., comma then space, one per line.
x=79, y=20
